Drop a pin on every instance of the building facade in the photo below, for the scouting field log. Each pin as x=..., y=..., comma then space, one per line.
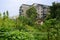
x=42, y=10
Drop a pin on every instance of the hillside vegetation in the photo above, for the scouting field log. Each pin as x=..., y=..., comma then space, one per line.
x=25, y=28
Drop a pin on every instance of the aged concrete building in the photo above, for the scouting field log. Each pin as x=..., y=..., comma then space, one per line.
x=42, y=10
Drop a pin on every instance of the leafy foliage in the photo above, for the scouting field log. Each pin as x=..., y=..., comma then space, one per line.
x=32, y=13
x=55, y=10
x=24, y=28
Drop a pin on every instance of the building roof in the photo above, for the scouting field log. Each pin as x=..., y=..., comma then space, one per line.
x=40, y=5
x=26, y=5
x=36, y=5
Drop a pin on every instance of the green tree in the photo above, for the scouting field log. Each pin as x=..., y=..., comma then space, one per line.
x=7, y=13
x=32, y=13
x=55, y=10
x=4, y=15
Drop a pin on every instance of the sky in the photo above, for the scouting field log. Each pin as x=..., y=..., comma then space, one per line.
x=13, y=5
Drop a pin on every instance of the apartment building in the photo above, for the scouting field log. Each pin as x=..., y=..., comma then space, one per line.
x=42, y=10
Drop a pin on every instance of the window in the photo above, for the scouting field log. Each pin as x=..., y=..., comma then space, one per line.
x=41, y=11
x=22, y=10
x=44, y=7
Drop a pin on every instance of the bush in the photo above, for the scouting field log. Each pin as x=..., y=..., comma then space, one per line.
x=17, y=35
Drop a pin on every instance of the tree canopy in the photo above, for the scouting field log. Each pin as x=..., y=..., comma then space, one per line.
x=32, y=13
